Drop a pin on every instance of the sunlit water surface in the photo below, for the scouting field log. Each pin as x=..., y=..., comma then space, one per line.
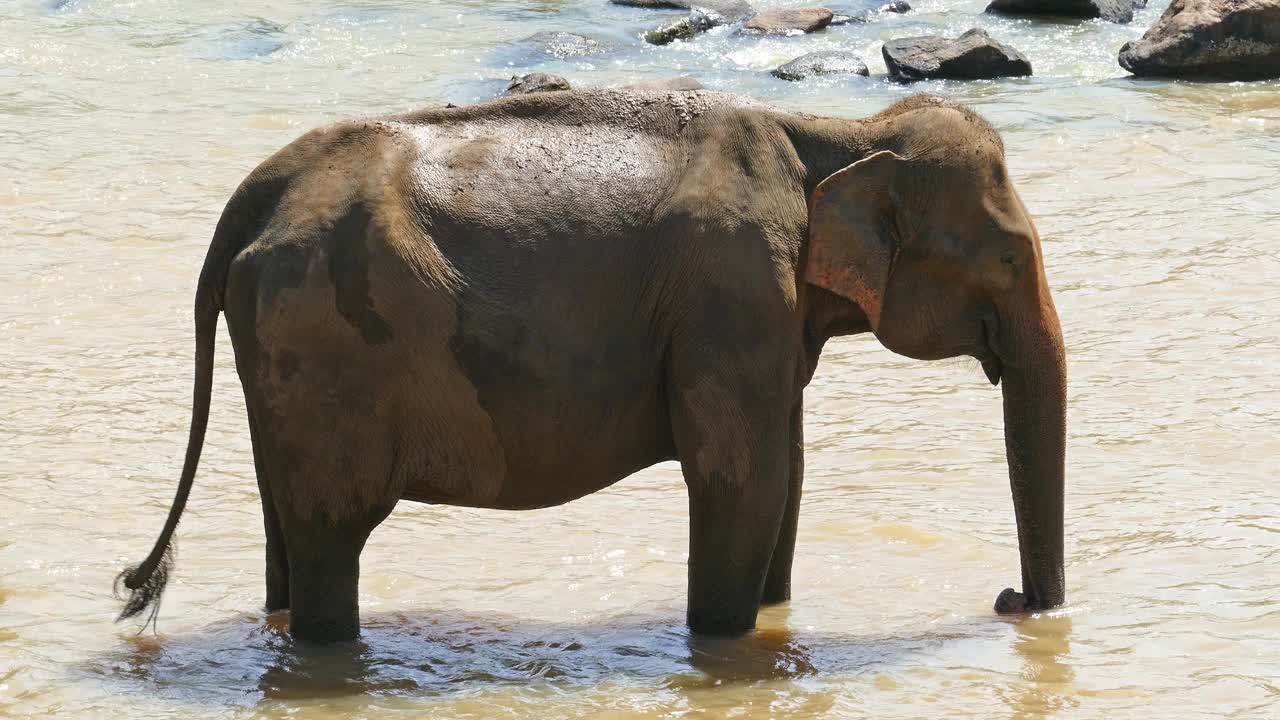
x=124, y=126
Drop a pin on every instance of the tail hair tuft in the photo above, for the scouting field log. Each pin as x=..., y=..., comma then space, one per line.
x=144, y=590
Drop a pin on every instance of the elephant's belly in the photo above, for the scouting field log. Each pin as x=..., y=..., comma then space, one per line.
x=528, y=488
x=521, y=457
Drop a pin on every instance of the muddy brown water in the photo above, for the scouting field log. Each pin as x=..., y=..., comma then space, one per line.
x=125, y=126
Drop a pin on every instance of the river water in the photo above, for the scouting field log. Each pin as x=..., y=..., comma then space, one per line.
x=124, y=127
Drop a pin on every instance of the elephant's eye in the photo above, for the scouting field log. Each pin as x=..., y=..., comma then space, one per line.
x=1011, y=263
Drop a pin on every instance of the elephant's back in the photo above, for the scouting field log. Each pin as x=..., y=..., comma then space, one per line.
x=528, y=177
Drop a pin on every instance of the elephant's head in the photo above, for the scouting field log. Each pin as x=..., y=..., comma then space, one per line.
x=929, y=238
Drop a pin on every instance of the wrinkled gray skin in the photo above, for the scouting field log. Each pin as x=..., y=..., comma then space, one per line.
x=514, y=304
x=680, y=83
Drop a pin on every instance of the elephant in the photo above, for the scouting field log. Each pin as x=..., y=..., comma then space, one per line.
x=517, y=303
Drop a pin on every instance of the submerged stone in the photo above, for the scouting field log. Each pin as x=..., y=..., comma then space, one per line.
x=845, y=15
x=254, y=39
x=563, y=44
x=826, y=62
x=536, y=82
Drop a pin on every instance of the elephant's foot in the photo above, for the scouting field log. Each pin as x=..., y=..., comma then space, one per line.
x=776, y=592
x=722, y=621
x=328, y=614
x=276, y=602
x=320, y=629
x=277, y=584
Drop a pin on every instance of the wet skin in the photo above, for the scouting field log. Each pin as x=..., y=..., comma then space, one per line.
x=515, y=304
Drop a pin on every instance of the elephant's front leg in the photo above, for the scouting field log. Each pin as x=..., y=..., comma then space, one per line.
x=777, y=585
x=733, y=449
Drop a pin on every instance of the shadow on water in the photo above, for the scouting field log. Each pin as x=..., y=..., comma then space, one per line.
x=1043, y=644
x=5, y=634
x=249, y=660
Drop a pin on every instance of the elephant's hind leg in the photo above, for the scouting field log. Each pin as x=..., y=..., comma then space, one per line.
x=277, y=555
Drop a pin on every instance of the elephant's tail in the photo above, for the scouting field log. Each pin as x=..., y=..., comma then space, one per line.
x=146, y=581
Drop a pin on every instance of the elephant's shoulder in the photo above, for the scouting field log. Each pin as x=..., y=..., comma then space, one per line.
x=740, y=174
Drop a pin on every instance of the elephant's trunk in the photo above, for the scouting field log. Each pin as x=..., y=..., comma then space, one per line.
x=1035, y=401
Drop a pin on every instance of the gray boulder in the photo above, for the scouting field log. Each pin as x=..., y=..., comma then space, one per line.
x=1215, y=39
x=536, y=82
x=563, y=44
x=1116, y=11
x=730, y=10
x=789, y=21
x=972, y=56
x=827, y=62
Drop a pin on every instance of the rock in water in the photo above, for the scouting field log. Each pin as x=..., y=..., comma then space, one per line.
x=972, y=56
x=683, y=83
x=698, y=22
x=827, y=62
x=564, y=44
x=1116, y=11
x=1216, y=39
x=845, y=15
x=730, y=10
x=536, y=82
x=789, y=21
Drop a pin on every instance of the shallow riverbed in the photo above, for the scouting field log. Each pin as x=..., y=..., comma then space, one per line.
x=124, y=127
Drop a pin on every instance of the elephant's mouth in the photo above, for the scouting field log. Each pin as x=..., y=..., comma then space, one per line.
x=992, y=366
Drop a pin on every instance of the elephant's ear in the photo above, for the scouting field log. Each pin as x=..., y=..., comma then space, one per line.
x=851, y=239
